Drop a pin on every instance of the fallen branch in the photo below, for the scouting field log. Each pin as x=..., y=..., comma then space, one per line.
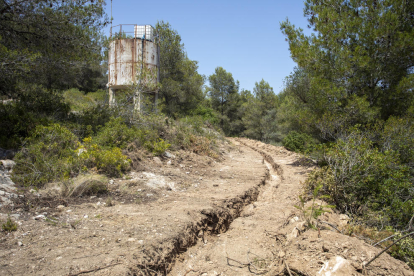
x=287, y=268
x=330, y=224
x=410, y=227
x=403, y=237
x=93, y=270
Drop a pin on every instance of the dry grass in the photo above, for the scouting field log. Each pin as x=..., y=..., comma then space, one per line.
x=91, y=184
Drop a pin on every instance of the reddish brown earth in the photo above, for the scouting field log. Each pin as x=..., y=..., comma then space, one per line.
x=188, y=215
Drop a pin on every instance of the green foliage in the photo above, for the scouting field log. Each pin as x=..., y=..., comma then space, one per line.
x=108, y=160
x=53, y=153
x=90, y=120
x=158, y=147
x=181, y=84
x=404, y=250
x=259, y=113
x=225, y=99
x=115, y=133
x=79, y=101
x=341, y=77
x=61, y=48
x=398, y=135
x=44, y=157
x=299, y=142
x=312, y=212
x=111, y=162
x=9, y=225
x=37, y=105
x=361, y=179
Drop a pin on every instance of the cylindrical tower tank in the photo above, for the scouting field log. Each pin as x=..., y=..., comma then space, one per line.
x=126, y=57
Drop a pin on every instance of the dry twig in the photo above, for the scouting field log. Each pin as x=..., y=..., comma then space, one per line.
x=379, y=254
x=93, y=270
x=330, y=224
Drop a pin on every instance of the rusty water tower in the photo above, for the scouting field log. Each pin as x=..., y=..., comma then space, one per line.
x=133, y=59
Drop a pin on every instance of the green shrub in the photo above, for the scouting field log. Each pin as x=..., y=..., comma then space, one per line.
x=109, y=161
x=115, y=133
x=299, y=142
x=89, y=121
x=404, y=250
x=158, y=147
x=79, y=101
x=366, y=182
x=34, y=106
x=9, y=225
x=46, y=156
x=398, y=135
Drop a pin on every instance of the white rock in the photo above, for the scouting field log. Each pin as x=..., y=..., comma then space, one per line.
x=293, y=220
x=60, y=207
x=157, y=160
x=131, y=240
x=15, y=216
x=169, y=155
x=337, y=266
x=40, y=217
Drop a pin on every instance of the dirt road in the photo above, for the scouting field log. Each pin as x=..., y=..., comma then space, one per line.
x=186, y=215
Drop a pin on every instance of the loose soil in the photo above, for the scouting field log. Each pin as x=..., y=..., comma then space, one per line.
x=188, y=215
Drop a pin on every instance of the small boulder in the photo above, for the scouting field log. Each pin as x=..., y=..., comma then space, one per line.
x=157, y=161
x=169, y=154
x=337, y=266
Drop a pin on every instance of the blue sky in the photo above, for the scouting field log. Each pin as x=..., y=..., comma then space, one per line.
x=241, y=36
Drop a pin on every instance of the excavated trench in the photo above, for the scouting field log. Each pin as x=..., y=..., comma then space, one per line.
x=160, y=260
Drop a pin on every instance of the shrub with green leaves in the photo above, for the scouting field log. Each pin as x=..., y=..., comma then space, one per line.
x=115, y=133
x=363, y=180
x=36, y=106
x=404, y=250
x=299, y=142
x=109, y=161
x=9, y=225
x=158, y=147
x=46, y=156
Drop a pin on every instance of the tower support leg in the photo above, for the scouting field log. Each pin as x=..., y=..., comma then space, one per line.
x=111, y=97
x=137, y=101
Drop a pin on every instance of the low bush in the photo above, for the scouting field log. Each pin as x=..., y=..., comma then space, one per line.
x=46, y=156
x=115, y=133
x=363, y=181
x=109, y=161
x=35, y=106
x=158, y=147
x=299, y=142
x=9, y=225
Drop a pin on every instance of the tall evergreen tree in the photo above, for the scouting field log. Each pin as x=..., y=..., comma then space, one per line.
x=52, y=43
x=260, y=112
x=181, y=84
x=358, y=63
x=224, y=95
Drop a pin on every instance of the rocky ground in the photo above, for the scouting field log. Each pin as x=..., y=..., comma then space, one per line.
x=186, y=214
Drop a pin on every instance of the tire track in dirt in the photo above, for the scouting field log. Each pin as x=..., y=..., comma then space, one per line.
x=246, y=247
x=270, y=237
